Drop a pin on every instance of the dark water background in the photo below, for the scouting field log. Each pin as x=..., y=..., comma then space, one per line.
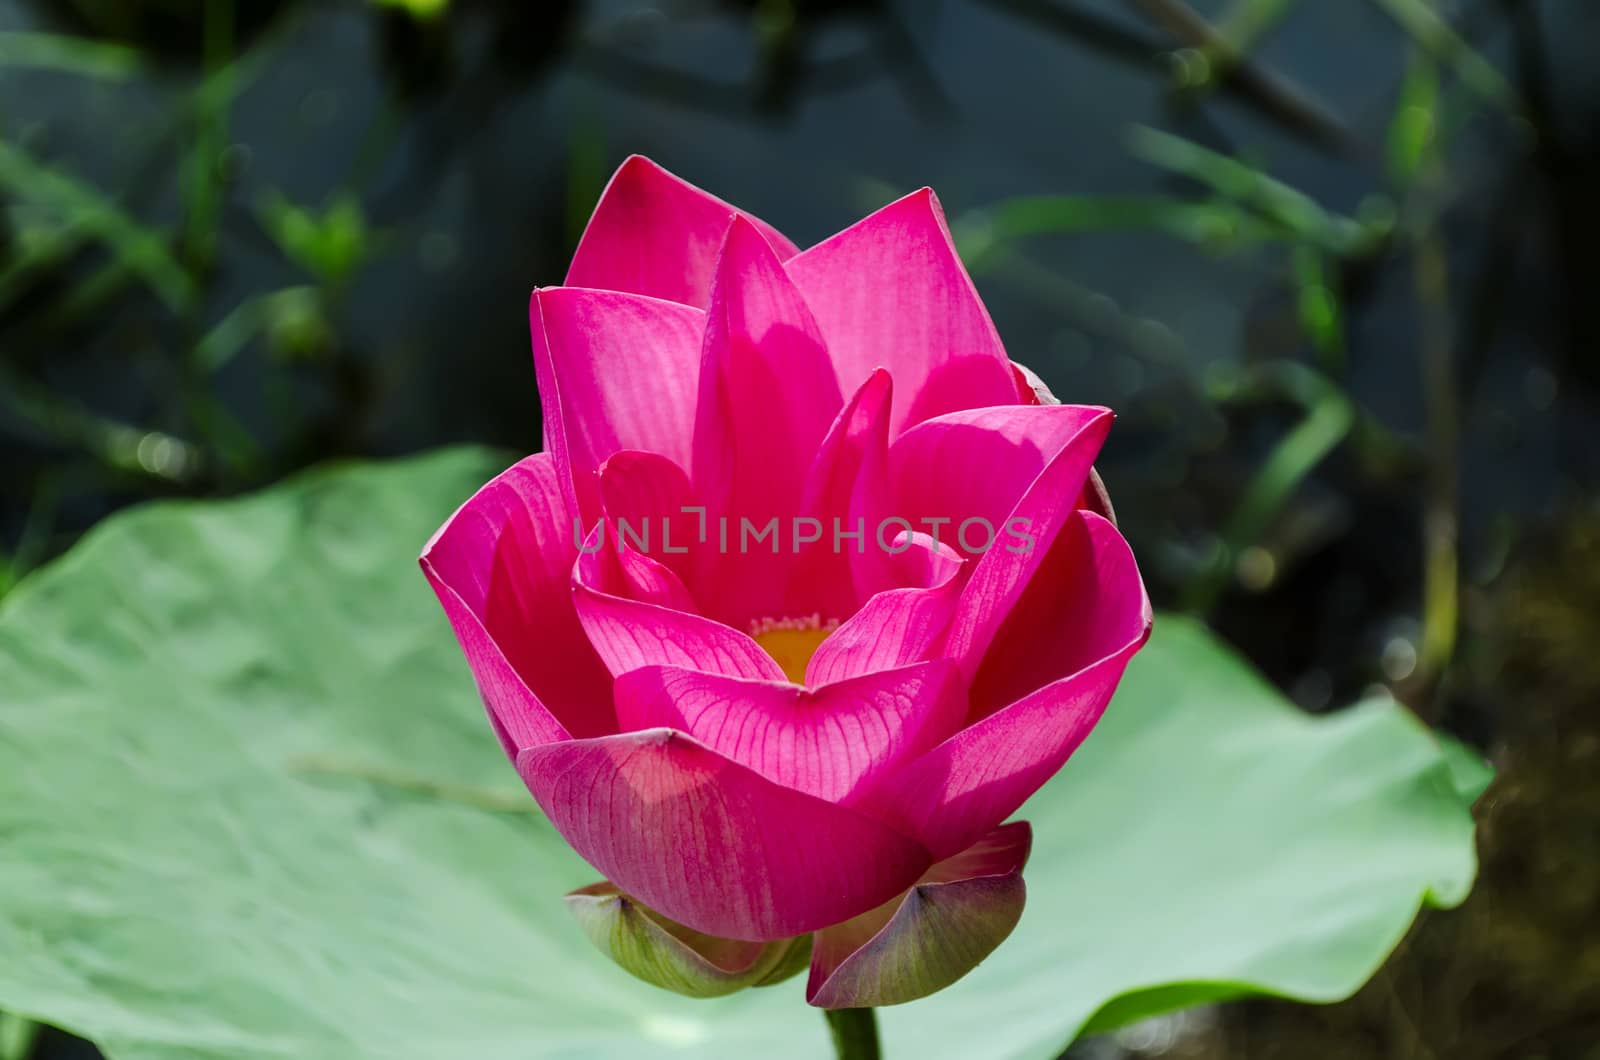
x=1307, y=421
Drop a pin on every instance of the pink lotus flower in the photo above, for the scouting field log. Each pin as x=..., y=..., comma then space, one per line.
x=823, y=731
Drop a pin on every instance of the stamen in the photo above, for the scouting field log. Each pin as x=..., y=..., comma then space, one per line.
x=792, y=641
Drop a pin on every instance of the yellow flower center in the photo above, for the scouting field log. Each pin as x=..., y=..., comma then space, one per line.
x=792, y=641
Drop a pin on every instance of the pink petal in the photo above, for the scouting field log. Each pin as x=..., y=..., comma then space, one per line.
x=955, y=793
x=709, y=843
x=1035, y=392
x=628, y=633
x=1085, y=602
x=501, y=567
x=518, y=718
x=1000, y=853
x=767, y=397
x=831, y=742
x=1024, y=535
x=847, y=492
x=656, y=234
x=894, y=627
x=651, y=582
x=615, y=371
x=954, y=917
x=891, y=291
x=978, y=464
x=650, y=503
x=852, y=459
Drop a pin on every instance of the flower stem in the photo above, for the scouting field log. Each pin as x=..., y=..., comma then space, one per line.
x=855, y=1033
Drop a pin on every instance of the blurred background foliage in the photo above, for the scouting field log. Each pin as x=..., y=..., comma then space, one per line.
x=1332, y=261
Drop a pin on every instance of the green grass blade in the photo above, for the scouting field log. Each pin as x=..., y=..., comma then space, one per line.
x=1329, y=417
x=65, y=54
x=1439, y=39
x=1215, y=224
x=1296, y=212
x=80, y=206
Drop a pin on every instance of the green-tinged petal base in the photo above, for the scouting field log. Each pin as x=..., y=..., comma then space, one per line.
x=665, y=953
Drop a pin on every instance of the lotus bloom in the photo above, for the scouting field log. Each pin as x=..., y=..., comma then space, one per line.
x=809, y=590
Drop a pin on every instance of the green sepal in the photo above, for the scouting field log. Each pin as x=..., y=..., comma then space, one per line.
x=667, y=954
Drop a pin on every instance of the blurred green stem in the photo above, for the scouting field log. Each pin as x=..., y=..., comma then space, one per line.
x=70, y=55
x=1328, y=419
x=1274, y=93
x=1298, y=215
x=1421, y=166
x=855, y=1033
x=1439, y=38
x=202, y=167
x=1242, y=25
x=82, y=213
x=17, y=1035
x=1439, y=520
x=117, y=445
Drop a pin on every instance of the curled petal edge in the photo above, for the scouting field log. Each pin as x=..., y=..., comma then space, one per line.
x=1033, y=391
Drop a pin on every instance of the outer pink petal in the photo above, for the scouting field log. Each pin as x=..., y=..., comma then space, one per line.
x=894, y=627
x=979, y=463
x=767, y=397
x=1029, y=531
x=615, y=371
x=1085, y=602
x=955, y=916
x=500, y=566
x=656, y=234
x=958, y=791
x=711, y=844
x=628, y=633
x=891, y=291
x=1033, y=391
x=831, y=742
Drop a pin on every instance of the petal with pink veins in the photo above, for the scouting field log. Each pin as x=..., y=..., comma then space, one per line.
x=920, y=943
x=833, y=742
x=615, y=371
x=710, y=843
x=767, y=397
x=501, y=566
x=894, y=627
x=847, y=492
x=630, y=633
x=650, y=581
x=1034, y=392
x=649, y=500
x=1025, y=535
x=655, y=234
x=890, y=291
x=1085, y=602
x=956, y=792
x=979, y=463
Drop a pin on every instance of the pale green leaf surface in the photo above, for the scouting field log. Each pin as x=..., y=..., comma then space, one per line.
x=249, y=807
